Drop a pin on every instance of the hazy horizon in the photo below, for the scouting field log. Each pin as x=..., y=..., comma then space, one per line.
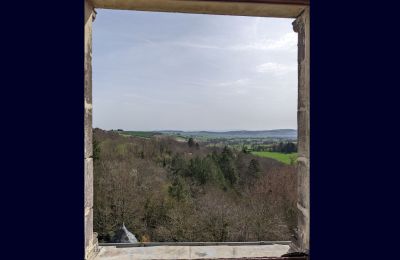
x=189, y=72
x=197, y=130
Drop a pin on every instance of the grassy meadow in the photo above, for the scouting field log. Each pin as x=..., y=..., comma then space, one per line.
x=286, y=158
x=142, y=134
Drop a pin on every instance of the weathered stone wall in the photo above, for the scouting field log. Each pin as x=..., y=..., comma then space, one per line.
x=90, y=238
x=302, y=26
x=263, y=8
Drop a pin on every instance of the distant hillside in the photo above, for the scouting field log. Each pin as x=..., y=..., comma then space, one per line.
x=143, y=134
x=276, y=133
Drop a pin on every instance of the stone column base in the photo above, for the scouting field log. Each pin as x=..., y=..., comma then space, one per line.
x=93, y=249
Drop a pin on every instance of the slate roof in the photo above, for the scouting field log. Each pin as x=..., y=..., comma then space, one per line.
x=123, y=235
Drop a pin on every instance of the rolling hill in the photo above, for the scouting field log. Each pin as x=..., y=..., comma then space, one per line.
x=276, y=133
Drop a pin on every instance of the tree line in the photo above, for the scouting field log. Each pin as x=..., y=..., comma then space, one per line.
x=281, y=147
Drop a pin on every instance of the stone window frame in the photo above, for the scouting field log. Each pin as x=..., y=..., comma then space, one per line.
x=298, y=9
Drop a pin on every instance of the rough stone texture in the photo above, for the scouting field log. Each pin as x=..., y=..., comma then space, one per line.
x=88, y=133
x=275, y=8
x=302, y=26
x=88, y=227
x=88, y=183
x=303, y=173
x=90, y=237
x=88, y=80
x=303, y=132
x=191, y=252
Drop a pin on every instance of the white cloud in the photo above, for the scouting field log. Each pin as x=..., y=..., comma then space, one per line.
x=235, y=83
x=194, y=45
x=236, y=87
x=287, y=42
x=276, y=68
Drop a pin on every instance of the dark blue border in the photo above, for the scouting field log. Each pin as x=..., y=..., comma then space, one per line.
x=354, y=143
x=354, y=70
x=42, y=130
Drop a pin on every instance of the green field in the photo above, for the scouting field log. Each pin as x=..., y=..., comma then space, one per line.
x=282, y=157
x=138, y=133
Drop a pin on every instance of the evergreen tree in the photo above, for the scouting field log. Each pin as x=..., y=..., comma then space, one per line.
x=178, y=189
x=227, y=167
x=178, y=165
x=253, y=169
x=191, y=142
x=96, y=150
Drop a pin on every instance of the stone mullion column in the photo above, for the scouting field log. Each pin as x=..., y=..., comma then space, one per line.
x=90, y=238
x=302, y=26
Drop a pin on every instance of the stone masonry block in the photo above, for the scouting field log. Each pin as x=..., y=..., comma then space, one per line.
x=88, y=134
x=303, y=132
x=89, y=182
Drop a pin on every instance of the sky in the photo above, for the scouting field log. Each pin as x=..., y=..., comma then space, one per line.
x=170, y=71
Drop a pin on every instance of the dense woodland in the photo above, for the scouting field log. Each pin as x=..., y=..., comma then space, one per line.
x=278, y=147
x=165, y=190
